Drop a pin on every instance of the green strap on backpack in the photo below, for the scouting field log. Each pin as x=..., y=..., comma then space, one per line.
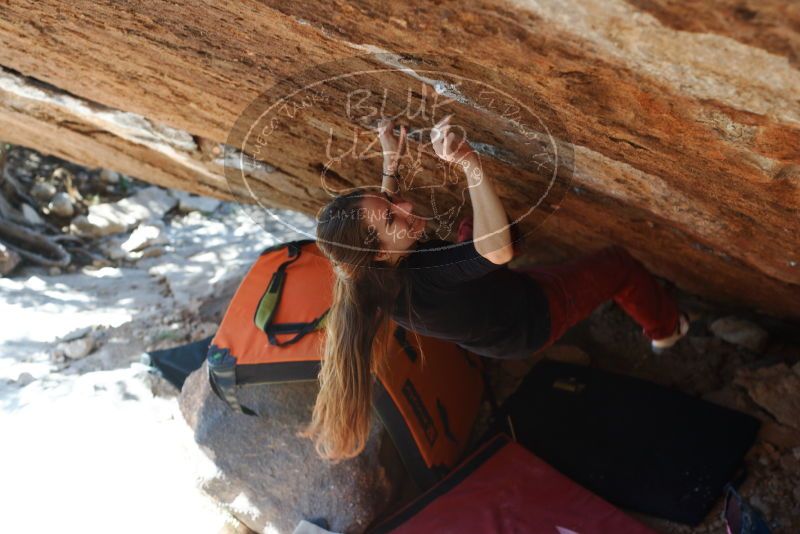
x=268, y=306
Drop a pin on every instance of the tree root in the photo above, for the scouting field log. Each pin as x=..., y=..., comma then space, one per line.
x=33, y=246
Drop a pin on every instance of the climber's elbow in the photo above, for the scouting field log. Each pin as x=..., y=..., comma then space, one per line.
x=500, y=256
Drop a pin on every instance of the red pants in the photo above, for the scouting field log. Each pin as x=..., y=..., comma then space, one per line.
x=575, y=288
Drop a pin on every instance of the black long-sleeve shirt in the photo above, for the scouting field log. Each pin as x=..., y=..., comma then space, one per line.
x=460, y=296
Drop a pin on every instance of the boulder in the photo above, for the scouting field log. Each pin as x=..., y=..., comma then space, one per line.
x=270, y=479
x=77, y=349
x=62, y=175
x=61, y=205
x=111, y=247
x=145, y=235
x=149, y=203
x=9, y=259
x=679, y=157
x=740, y=332
x=76, y=344
x=43, y=191
x=24, y=379
x=108, y=176
x=93, y=225
x=781, y=436
x=188, y=202
x=31, y=215
x=776, y=389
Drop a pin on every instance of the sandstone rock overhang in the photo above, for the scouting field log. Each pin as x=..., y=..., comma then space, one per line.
x=684, y=119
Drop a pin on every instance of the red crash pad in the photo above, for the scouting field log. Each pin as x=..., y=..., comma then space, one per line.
x=504, y=488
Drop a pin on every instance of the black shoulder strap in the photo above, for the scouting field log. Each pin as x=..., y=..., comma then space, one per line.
x=222, y=377
x=402, y=340
x=299, y=329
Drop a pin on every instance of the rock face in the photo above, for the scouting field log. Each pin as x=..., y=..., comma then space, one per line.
x=777, y=390
x=740, y=332
x=270, y=478
x=681, y=119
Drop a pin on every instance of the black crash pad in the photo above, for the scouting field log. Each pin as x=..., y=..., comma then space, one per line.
x=639, y=445
x=176, y=363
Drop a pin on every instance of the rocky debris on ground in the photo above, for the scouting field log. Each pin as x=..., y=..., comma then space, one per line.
x=109, y=177
x=188, y=202
x=61, y=205
x=268, y=477
x=75, y=349
x=43, y=191
x=115, y=427
x=88, y=217
x=78, y=344
x=9, y=259
x=740, y=332
x=776, y=389
x=106, y=385
x=732, y=396
x=41, y=196
x=146, y=241
x=24, y=379
x=31, y=215
x=782, y=437
x=104, y=219
x=155, y=382
x=144, y=236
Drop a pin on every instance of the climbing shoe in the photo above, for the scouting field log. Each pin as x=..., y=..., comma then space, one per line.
x=660, y=345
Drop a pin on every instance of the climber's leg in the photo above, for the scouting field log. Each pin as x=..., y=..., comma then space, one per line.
x=574, y=289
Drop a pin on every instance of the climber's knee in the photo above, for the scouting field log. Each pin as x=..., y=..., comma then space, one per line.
x=618, y=253
x=620, y=256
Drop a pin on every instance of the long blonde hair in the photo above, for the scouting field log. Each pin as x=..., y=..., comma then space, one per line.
x=357, y=329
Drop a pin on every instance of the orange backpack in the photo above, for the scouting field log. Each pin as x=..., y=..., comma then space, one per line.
x=273, y=331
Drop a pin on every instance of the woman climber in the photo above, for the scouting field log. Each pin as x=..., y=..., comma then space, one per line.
x=462, y=293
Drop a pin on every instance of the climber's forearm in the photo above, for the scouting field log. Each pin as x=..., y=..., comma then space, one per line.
x=389, y=184
x=490, y=231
